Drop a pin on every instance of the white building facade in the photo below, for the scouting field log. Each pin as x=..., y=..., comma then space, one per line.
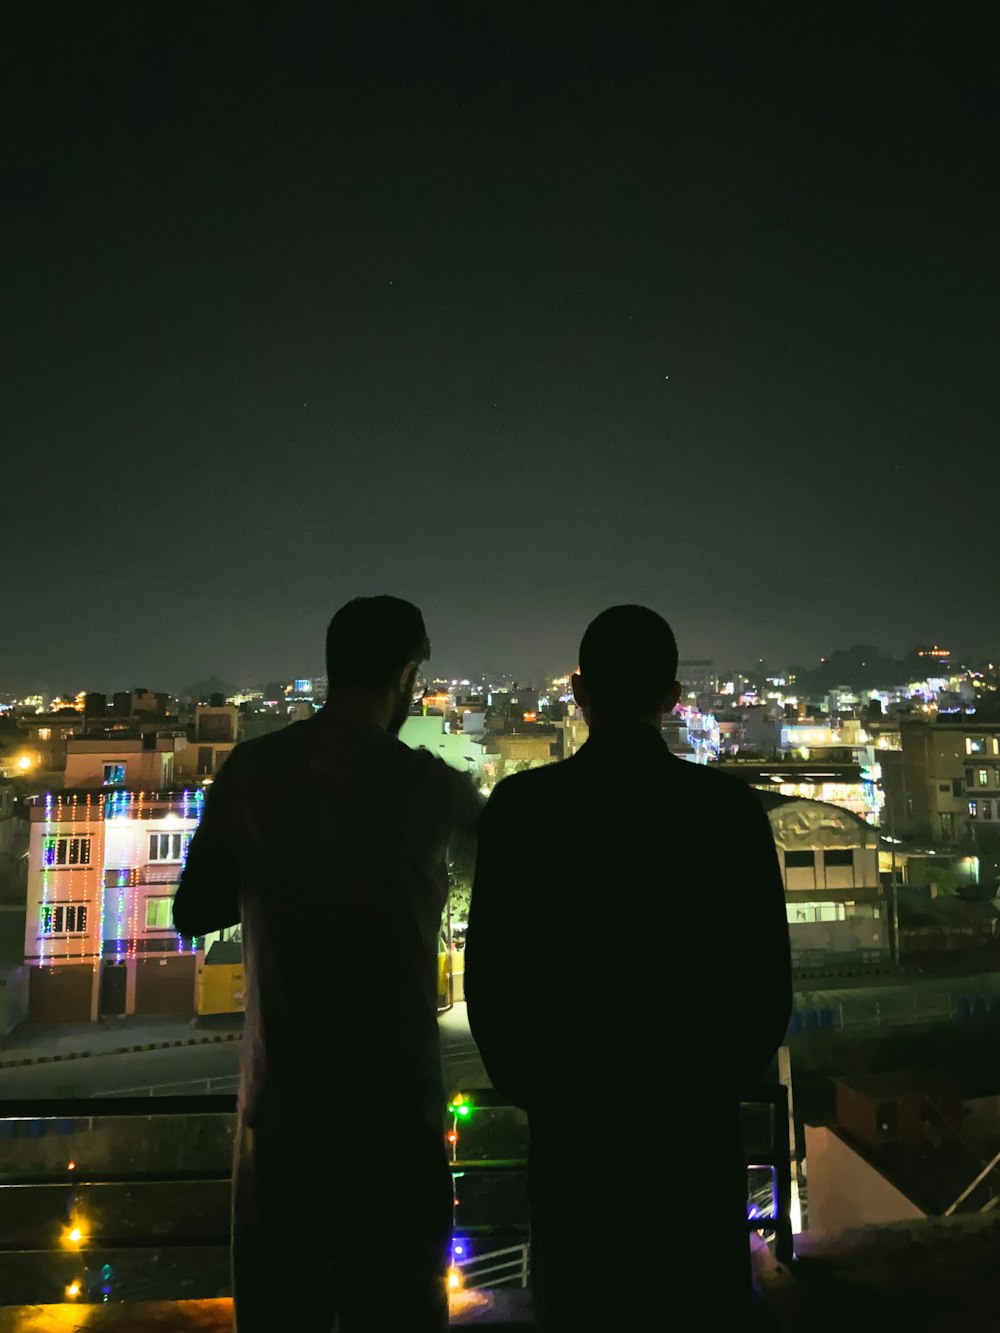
x=102, y=872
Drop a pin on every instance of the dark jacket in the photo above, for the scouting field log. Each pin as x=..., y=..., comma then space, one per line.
x=627, y=923
x=330, y=846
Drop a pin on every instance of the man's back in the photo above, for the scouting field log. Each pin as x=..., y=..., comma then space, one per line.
x=626, y=972
x=334, y=842
x=649, y=918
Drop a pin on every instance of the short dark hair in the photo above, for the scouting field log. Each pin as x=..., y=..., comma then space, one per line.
x=628, y=660
x=370, y=639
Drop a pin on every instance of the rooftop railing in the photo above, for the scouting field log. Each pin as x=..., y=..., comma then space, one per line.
x=128, y=1199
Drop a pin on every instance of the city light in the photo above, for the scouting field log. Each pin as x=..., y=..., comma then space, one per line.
x=73, y=1290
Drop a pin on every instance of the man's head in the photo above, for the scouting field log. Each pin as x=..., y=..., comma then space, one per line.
x=374, y=647
x=628, y=667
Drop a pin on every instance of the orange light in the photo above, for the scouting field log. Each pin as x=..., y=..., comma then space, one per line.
x=452, y=1137
x=76, y=1235
x=71, y=1166
x=73, y=1290
x=454, y=1279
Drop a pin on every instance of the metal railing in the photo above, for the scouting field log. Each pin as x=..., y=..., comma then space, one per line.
x=188, y=1087
x=497, y=1264
x=891, y=1010
x=511, y=1264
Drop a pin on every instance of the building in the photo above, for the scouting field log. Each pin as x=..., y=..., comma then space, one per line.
x=904, y=1145
x=842, y=782
x=834, y=898
x=138, y=760
x=103, y=867
x=460, y=749
x=210, y=741
x=943, y=784
x=697, y=675
x=40, y=754
x=531, y=746
x=13, y=974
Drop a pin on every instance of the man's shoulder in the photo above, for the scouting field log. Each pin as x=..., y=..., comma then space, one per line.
x=724, y=798
x=423, y=764
x=531, y=783
x=714, y=784
x=263, y=756
x=262, y=749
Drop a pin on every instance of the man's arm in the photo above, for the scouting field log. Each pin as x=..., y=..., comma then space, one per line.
x=497, y=986
x=208, y=896
x=762, y=1001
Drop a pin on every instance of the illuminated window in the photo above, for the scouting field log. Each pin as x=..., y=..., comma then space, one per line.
x=114, y=775
x=63, y=918
x=804, y=914
x=44, y=733
x=984, y=777
x=973, y=808
x=65, y=852
x=168, y=846
x=975, y=745
x=158, y=914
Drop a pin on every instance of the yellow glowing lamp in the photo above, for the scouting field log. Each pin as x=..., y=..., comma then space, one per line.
x=454, y=1279
x=73, y=1290
x=24, y=762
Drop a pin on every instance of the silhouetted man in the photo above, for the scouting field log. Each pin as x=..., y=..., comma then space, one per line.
x=627, y=972
x=328, y=841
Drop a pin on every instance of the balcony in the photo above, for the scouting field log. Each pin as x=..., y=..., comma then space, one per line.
x=144, y=1184
x=116, y=1215
x=167, y=873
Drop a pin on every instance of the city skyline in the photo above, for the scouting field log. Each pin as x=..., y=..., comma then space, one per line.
x=893, y=672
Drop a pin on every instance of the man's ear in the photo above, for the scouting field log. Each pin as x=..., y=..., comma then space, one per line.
x=580, y=693
x=408, y=677
x=672, y=697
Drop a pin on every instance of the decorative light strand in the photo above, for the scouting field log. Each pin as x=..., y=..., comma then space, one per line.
x=47, y=836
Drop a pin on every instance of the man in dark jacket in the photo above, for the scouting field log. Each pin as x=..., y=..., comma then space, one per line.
x=660, y=986
x=328, y=842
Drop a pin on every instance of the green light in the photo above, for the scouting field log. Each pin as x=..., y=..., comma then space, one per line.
x=464, y=1110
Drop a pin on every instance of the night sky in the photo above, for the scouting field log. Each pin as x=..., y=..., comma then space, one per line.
x=514, y=314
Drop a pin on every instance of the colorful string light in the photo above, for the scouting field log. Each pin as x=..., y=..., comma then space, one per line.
x=47, y=846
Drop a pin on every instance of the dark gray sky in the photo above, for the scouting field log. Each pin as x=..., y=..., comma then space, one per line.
x=300, y=305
